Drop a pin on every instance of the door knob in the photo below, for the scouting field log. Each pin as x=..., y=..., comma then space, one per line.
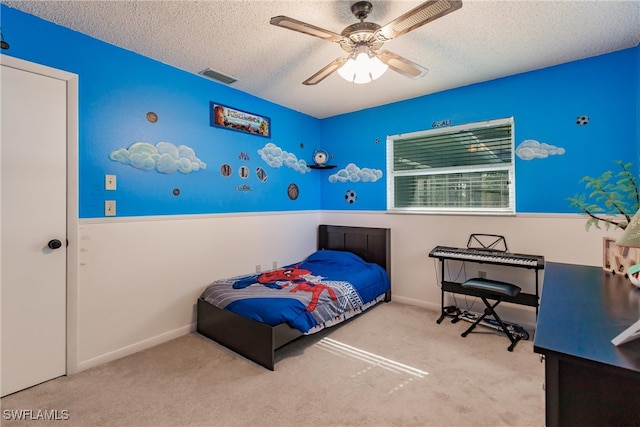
x=54, y=244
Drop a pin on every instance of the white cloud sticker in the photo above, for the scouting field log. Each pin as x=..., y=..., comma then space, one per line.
x=164, y=157
x=531, y=149
x=353, y=173
x=277, y=157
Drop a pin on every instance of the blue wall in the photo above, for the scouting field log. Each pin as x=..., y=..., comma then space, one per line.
x=118, y=88
x=544, y=104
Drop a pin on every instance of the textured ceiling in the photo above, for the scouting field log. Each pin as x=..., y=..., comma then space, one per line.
x=482, y=41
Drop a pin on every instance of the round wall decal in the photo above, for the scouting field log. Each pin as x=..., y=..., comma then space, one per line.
x=582, y=120
x=293, y=192
x=225, y=170
x=350, y=197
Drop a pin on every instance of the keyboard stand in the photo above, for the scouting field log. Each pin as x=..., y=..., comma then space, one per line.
x=531, y=300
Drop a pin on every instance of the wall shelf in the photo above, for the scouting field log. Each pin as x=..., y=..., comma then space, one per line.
x=321, y=166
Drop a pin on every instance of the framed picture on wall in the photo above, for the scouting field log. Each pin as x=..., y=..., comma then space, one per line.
x=242, y=121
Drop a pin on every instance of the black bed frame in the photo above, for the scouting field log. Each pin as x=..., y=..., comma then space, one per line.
x=257, y=341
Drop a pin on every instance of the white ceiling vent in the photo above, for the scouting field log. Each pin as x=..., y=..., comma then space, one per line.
x=219, y=77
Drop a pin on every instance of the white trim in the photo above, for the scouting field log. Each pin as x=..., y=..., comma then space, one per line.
x=517, y=215
x=72, y=196
x=188, y=217
x=450, y=212
x=125, y=219
x=72, y=224
x=32, y=67
x=417, y=303
x=134, y=348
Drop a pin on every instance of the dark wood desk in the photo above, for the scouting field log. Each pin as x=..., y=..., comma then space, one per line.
x=588, y=380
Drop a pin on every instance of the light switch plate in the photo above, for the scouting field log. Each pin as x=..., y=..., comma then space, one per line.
x=110, y=182
x=109, y=208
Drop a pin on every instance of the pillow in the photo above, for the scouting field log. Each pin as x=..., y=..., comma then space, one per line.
x=338, y=257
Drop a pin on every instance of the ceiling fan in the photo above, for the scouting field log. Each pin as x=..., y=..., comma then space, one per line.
x=363, y=41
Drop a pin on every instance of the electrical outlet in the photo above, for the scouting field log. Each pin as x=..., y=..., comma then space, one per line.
x=482, y=274
x=258, y=268
x=109, y=182
x=109, y=208
x=274, y=264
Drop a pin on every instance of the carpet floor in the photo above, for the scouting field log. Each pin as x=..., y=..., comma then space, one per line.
x=391, y=366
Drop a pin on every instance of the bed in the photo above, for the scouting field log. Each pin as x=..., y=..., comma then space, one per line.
x=258, y=336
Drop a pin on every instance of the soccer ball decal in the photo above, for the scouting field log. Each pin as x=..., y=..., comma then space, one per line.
x=582, y=120
x=350, y=197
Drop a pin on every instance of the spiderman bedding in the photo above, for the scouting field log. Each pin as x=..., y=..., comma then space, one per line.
x=325, y=288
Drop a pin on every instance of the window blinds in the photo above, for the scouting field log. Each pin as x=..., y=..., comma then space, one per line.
x=468, y=167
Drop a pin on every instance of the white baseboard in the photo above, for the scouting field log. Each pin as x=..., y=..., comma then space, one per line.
x=417, y=303
x=134, y=348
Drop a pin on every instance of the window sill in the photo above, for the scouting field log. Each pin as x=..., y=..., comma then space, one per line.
x=466, y=212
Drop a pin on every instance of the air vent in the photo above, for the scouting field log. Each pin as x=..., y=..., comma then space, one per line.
x=219, y=77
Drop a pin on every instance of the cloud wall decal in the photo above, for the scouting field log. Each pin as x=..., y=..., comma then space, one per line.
x=164, y=157
x=531, y=149
x=352, y=173
x=276, y=157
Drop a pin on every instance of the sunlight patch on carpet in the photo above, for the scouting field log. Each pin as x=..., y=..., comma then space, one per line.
x=373, y=360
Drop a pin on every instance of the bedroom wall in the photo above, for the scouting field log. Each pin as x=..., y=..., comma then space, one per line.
x=140, y=272
x=545, y=105
x=415, y=277
x=118, y=88
x=139, y=278
x=149, y=124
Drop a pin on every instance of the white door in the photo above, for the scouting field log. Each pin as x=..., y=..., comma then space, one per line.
x=33, y=206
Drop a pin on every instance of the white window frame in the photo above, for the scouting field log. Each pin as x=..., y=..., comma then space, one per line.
x=510, y=168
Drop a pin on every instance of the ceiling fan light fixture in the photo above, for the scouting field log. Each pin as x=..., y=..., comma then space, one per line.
x=378, y=68
x=363, y=41
x=362, y=67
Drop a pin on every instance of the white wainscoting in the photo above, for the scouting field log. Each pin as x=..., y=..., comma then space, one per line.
x=415, y=277
x=139, y=278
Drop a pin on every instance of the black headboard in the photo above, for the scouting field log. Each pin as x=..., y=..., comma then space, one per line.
x=371, y=244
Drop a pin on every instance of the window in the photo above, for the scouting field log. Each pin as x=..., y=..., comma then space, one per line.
x=461, y=169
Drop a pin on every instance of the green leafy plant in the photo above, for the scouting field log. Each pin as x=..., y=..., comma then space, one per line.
x=611, y=200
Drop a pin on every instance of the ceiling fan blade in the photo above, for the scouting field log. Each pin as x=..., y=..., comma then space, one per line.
x=303, y=27
x=417, y=17
x=324, y=73
x=402, y=65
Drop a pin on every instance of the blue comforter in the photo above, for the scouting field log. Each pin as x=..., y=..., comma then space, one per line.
x=305, y=295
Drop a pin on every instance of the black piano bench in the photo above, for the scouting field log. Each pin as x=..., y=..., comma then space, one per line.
x=492, y=290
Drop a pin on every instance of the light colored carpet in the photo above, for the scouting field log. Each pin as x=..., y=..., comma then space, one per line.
x=392, y=366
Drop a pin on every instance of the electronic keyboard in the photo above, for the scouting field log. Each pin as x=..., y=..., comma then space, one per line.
x=488, y=256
